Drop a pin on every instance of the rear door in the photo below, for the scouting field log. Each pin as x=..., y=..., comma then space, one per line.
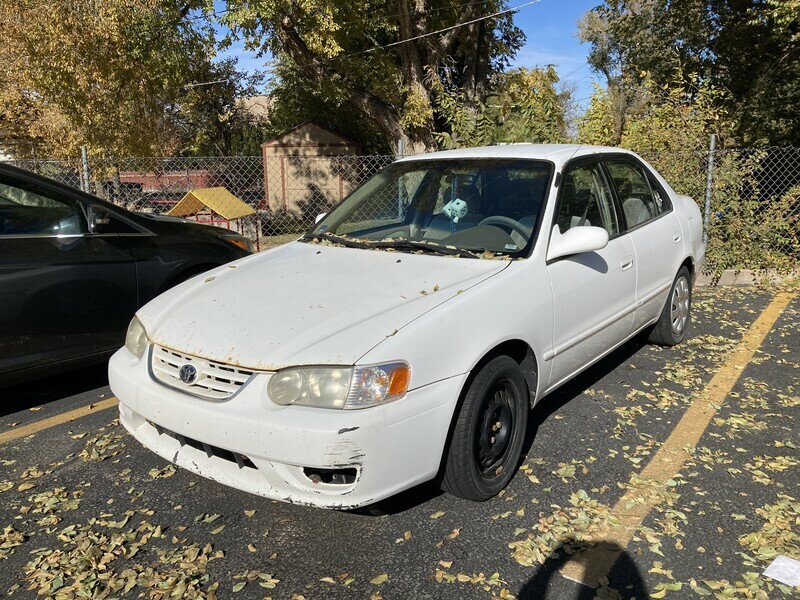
x=64, y=292
x=593, y=292
x=654, y=230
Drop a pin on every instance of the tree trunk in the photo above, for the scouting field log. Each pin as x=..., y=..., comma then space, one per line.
x=370, y=105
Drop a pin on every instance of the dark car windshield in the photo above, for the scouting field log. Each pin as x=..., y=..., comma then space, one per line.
x=477, y=207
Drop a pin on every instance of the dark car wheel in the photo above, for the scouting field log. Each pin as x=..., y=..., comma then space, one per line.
x=674, y=321
x=489, y=432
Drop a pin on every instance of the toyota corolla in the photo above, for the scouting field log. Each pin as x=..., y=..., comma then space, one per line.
x=410, y=332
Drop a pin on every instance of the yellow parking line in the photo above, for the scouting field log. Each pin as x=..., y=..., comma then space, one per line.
x=71, y=415
x=592, y=565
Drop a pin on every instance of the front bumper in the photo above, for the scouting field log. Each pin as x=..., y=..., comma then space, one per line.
x=250, y=443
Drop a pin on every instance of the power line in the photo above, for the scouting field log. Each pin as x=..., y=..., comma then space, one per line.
x=445, y=29
x=430, y=10
x=194, y=85
x=421, y=36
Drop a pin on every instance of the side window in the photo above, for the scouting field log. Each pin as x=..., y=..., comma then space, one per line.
x=639, y=204
x=24, y=212
x=586, y=200
x=662, y=201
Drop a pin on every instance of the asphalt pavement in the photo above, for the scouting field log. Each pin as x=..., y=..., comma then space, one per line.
x=85, y=511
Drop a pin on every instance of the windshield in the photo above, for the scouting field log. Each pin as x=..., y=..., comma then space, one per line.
x=465, y=207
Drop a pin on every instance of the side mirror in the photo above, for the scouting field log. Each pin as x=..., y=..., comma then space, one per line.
x=99, y=217
x=319, y=218
x=576, y=240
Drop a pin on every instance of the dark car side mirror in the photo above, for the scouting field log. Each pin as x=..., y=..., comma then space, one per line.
x=99, y=218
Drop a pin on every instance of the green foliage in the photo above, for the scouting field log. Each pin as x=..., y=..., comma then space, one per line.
x=212, y=119
x=748, y=50
x=523, y=105
x=597, y=125
x=372, y=57
x=113, y=76
x=747, y=229
x=297, y=99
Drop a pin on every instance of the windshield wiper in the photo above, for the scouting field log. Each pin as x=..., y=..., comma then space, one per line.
x=335, y=239
x=425, y=246
x=399, y=243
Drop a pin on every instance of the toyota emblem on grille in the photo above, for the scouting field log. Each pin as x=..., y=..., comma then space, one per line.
x=187, y=374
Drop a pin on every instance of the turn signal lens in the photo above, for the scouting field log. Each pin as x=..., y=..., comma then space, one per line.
x=239, y=241
x=399, y=381
x=377, y=384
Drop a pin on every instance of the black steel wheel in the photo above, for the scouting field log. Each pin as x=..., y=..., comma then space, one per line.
x=489, y=432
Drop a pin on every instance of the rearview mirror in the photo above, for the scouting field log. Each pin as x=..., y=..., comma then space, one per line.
x=576, y=240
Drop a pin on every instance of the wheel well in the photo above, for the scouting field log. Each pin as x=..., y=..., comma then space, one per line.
x=689, y=264
x=520, y=352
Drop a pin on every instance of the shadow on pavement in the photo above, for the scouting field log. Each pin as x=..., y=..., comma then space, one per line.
x=624, y=578
x=41, y=391
x=575, y=387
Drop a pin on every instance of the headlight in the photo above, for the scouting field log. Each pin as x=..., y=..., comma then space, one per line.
x=340, y=387
x=239, y=241
x=136, y=338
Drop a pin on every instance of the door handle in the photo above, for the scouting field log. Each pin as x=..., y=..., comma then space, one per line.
x=626, y=263
x=676, y=237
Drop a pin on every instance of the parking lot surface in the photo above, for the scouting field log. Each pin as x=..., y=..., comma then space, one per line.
x=657, y=473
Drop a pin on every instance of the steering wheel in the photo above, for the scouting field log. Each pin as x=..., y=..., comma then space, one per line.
x=508, y=222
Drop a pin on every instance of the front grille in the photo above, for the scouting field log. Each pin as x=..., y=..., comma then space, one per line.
x=214, y=381
x=241, y=460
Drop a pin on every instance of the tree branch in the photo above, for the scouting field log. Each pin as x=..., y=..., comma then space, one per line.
x=367, y=103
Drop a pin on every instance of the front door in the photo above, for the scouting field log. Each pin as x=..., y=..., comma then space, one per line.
x=64, y=292
x=593, y=292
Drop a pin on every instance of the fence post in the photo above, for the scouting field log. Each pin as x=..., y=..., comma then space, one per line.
x=85, y=161
x=709, y=181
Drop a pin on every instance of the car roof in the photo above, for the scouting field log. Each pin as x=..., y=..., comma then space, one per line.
x=557, y=153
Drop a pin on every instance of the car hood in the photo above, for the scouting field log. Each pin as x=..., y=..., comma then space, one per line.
x=306, y=304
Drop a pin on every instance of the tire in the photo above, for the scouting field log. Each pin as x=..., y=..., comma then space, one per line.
x=482, y=459
x=674, y=321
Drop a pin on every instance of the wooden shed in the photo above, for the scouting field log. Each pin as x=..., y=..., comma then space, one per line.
x=307, y=168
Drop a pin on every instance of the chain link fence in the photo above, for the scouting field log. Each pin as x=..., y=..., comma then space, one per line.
x=271, y=200
x=753, y=194
x=751, y=200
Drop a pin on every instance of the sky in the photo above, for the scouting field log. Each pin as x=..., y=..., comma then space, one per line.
x=551, y=28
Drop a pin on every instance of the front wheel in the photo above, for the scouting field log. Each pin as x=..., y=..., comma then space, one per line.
x=674, y=321
x=489, y=432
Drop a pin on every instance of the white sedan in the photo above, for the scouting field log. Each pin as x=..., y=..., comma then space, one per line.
x=409, y=333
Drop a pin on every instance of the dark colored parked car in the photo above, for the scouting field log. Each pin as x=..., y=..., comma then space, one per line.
x=74, y=269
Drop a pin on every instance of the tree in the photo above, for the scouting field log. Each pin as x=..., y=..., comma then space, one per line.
x=747, y=48
x=522, y=105
x=112, y=75
x=297, y=99
x=210, y=116
x=385, y=59
x=598, y=126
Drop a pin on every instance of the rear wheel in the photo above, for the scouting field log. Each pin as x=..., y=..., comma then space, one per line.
x=674, y=321
x=489, y=432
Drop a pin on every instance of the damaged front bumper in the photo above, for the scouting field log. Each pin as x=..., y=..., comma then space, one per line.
x=320, y=457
